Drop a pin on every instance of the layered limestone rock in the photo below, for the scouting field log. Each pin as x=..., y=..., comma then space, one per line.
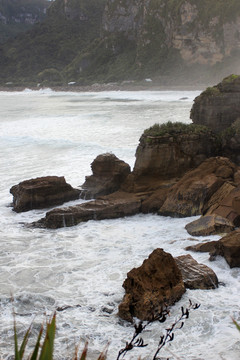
x=193, y=191
x=209, y=225
x=178, y=149
x=218, y=107
x=41, y=193
x=148, y=288
x=108, y=174
x=113, y=206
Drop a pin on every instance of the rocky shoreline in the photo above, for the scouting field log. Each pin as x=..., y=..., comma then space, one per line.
x=180, y=171
x=98, y=87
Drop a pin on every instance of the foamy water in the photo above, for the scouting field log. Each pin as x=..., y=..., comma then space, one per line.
x=83, y=267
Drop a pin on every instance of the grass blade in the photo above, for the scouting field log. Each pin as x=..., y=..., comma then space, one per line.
x=17, y=355
x=24, y=342
x=84, y=353
x=48, y=345
x=236, y=324
x=103, y=355
x=36, y=348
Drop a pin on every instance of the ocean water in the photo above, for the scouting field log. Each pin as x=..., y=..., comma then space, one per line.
x=81, y=269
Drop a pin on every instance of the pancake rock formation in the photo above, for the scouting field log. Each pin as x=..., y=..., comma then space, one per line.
x=108, y=174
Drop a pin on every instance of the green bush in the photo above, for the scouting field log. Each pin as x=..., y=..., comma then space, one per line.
x=172, y=128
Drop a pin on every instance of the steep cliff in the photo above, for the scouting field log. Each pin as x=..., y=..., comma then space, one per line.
x=20, y=15
x=41, y=54
x=111, y=40
x=160, y=37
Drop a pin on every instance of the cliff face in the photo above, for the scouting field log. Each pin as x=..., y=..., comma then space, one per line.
x=19, y=15
x=111, y=40
x=202, y=31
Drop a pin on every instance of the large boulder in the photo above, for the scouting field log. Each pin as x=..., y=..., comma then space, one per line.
x=148, y=288
x=113, y=206
x=41, y=193
x=108, y=174
x=209, y=225
x=195, y=275
x=218, y=107
x=188, y=197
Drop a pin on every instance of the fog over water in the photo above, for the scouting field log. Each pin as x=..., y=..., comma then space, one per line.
x=49, y=133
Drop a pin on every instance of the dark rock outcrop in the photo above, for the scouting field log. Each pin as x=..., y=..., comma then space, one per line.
x=218, y=107
x=224, y=202
x=172, y=154
x=41, y=193
x=228, y=247
x=112, y=206
x=195, y=275
x=108, y=174
x=209, y=225
x=208, y=246
x=188, y=197
x=157, y=282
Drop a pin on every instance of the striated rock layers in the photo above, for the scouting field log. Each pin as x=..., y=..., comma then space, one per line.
x=218, y=107
x=112, y=206
x=172, y=154
x=41, y=193
x=192, y=193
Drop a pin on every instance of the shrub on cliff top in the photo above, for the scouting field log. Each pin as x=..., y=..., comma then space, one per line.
x=172, y=128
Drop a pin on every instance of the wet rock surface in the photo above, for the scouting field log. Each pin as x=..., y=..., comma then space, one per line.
x=41, y=193
x=171, y=155
x=109, y=173
x=228, y=247
x=209, y=225
x=158, y=281
x=195, y=275
x=218, y=107
x=113, y=206
x=188, y=197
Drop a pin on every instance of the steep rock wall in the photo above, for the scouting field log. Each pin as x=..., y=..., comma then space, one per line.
x=203, y=32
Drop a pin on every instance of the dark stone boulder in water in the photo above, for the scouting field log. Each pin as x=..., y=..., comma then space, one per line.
x=195, y=275
x=41, y=193
x=158, y=281
x=109, y=173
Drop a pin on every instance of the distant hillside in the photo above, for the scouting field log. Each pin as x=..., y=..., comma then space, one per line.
x=85, y=41
x=20, y=15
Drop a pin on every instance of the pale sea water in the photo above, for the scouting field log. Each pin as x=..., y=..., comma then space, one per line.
x=48, y=133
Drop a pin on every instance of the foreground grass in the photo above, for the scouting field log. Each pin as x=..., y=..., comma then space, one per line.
x=45, y=351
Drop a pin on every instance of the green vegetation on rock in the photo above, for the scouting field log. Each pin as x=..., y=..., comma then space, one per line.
x=174, y=128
